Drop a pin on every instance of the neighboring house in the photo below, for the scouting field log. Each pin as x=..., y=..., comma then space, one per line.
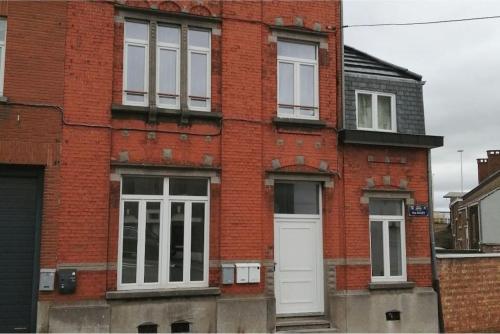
x=386, y=168
x=475, y=214
x=442, y=230
x=188, y=166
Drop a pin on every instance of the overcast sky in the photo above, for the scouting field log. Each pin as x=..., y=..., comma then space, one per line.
x=460, y=63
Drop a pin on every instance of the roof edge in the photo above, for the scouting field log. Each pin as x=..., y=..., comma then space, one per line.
x=396, y=67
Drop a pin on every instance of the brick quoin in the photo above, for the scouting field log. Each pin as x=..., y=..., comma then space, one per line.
x=79, y=69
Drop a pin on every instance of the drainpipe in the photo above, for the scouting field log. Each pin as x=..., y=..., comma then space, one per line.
x=435, y=278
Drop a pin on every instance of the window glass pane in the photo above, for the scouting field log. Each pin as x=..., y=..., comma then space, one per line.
x=285, y=111
x=136, y=62
x=167, y=71
x=377, y=248
x=307, y=85
x=389, y=207
x=384, y=112
x=136, y=30
x=197, y=241
x=152, y=243
x=286, y=83
x=297, y=50
x=365, y=111
x=3, y=28
x=395, y=248
x=136, y=97
x=199, y=38
x=140, y=185
x=198, y=103
x=168, y=101
x=176, y=242
x=168, y=34
x=129, y=247
x=296, y=198
x=198, y=78
x=188, y=187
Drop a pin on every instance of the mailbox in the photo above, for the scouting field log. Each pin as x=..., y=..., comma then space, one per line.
x=66, y=281
x=241, y=272
x=253, y=272
x=227, y=273
x=247, y=272
x=47, y=277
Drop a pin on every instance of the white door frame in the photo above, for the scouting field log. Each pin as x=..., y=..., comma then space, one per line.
x=319, y=307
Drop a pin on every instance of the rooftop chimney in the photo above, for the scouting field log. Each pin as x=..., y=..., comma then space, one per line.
x=493, y=161
x=482, y=169
x=486, y=167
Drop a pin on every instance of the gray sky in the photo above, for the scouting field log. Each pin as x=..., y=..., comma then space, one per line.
x=460, y=63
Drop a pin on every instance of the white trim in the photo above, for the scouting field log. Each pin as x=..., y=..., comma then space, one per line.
x=3, y=45
x=374, y=96
x=140, y=43
x=165, y=201
x=207, y=52
x=296, y=63
x=384, y=220
x=460, y=256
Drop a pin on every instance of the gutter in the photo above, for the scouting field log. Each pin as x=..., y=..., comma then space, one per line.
x=435, y=277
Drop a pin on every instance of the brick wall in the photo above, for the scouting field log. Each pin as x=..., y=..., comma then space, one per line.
x=470, y=293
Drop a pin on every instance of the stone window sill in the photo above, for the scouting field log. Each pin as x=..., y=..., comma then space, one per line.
x=162, y=114
x=162, y=293
x=297, y=122
x=3, y=99
x=391, y=285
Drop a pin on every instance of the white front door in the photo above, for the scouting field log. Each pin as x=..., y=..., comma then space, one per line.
x=298, y=253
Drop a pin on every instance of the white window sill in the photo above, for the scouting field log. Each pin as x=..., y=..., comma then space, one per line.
x=391, y=285
x=162, y=293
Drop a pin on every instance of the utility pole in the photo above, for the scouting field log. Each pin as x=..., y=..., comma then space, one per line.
x=461, y=151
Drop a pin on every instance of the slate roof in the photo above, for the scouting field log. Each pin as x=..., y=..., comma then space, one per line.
x=356, y=61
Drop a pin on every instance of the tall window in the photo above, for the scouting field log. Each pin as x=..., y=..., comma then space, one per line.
x=180, y=56
x=375, y=111
x=387, y=239
x=297, y=80
x=163, y=233
x=135, y=88
x=3, y=33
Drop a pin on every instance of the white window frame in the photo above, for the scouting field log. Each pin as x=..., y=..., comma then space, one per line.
x=200, y=50
x=140, y=43
x=385, y=219
x=171, y=47
x=296, y=62
x=3, y=44
x=164, y=246
x=374, y=96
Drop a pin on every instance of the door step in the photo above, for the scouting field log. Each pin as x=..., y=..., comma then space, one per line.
x=311, y=324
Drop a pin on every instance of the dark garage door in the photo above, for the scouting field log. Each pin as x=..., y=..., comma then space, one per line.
x=19, y=216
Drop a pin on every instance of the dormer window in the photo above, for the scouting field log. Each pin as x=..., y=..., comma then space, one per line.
x=376, y=111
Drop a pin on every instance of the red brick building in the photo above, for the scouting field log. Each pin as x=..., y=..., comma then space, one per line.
x=193, y=166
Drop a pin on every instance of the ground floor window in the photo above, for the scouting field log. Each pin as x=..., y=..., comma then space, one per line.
x=387, y=240
x=163, y=232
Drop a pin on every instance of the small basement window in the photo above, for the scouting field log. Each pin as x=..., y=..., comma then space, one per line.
x=180, y=327
x=147, y=327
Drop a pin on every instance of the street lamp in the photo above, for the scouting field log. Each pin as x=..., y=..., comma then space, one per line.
x=461, y=171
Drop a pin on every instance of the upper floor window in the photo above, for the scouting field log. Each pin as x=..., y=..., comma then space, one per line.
x=387, y=240
x=376, y=111
x=178, y=59
x=164, y=226
x=3, y=31
x=297, y=80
